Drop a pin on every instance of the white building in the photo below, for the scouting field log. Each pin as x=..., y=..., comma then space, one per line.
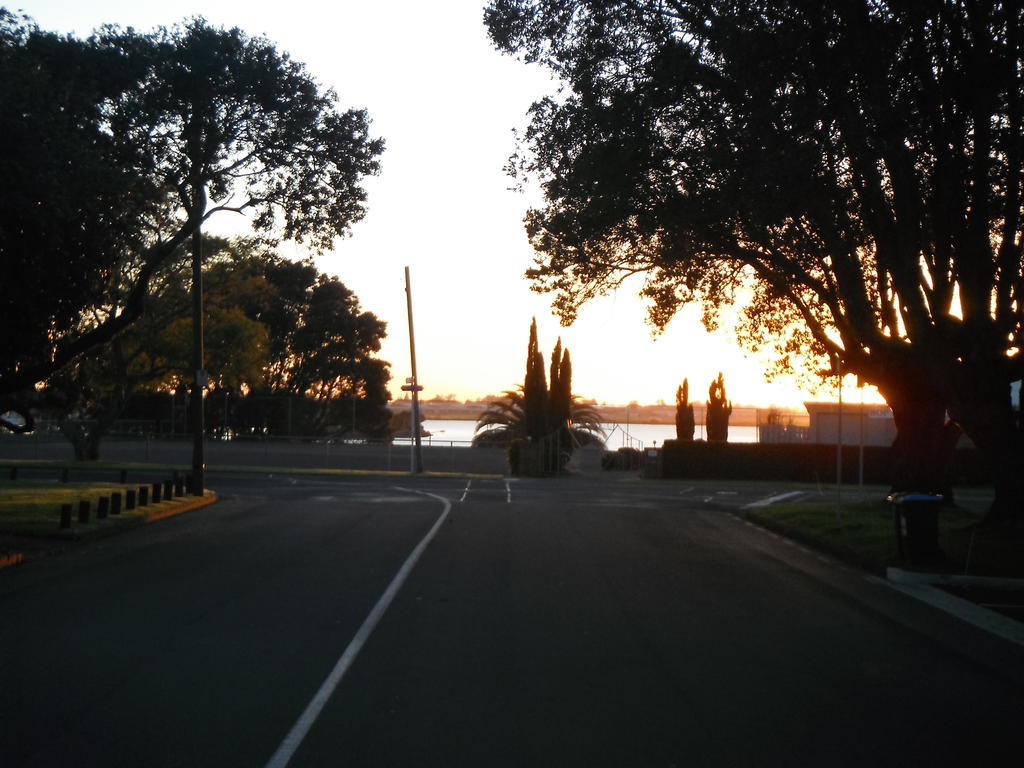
x=860, y=424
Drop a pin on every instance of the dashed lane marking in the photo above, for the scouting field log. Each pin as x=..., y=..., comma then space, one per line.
x=773, y=499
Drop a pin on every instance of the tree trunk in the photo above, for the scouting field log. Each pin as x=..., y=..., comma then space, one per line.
x=986, y=414
x=925, y=439
x=84, y=437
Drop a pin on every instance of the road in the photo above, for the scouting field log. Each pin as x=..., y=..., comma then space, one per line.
x=570, y=622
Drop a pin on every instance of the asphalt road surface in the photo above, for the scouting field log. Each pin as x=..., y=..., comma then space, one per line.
x=572, y=622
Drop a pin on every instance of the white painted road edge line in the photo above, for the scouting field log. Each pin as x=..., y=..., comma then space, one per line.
x=298, y=732
x=508, y=493
x=466, y=491
x=772, y=500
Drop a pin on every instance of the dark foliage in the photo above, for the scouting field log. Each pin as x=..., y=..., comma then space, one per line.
x=719, y=408
x=854, y=168
x=122, y=145
x=685, y=423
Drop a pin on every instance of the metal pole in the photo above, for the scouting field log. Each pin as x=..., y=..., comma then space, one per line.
x=415, y=446
x=839, y=440
x=199, y=379
x=860, y=452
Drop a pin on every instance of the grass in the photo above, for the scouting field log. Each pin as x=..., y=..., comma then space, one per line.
x=863, y=532
x=32, y=508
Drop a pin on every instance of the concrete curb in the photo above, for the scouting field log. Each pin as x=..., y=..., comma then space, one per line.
x=900, y=576
x=925, y=587
x=984, y=619
x=11, y=558
x=208, y=497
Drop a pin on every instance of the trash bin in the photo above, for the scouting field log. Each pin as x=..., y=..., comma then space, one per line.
x=916, y=517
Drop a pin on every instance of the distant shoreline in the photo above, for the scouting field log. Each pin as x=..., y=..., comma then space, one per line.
x=742, y=416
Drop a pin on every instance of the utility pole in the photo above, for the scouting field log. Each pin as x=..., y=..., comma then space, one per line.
x=839, y=440
x=199, y=379
x=415, y=446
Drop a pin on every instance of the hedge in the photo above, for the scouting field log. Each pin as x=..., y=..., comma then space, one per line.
x=794, y=462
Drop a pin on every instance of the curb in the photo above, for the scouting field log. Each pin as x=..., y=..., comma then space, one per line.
x=925, y=587
x=984, y=619
x=208, y=498
x=12, y=558
x=917, y=578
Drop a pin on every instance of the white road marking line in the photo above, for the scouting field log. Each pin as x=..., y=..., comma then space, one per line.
x=466, y=491
x=772, y=499
x=298, y=732
x=508, y=493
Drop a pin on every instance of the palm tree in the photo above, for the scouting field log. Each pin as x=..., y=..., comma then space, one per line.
x=505, y=421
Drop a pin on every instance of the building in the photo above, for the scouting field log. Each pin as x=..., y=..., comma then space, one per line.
x=856, y=423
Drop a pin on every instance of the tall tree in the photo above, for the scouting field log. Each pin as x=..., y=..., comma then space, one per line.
x=72, y=200
x=854, y=167
x=560, y=389
x=199, y=120
x=535, y=389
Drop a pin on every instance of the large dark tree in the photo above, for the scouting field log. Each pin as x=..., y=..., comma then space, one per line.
x=71, y=199
x=853, y=167
x=173, y=127
x=330, y=357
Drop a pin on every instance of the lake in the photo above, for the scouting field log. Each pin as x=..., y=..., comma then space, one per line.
x=445, y=431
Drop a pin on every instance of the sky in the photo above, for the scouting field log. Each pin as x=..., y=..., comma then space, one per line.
x=446, y=103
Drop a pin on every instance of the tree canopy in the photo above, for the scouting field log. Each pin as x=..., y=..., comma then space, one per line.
x=124, y=144
x=851, y=170
x=274, y=328
x=71, y=201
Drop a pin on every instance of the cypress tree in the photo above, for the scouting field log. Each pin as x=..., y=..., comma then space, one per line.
x=685, y=423
x=535, y=389
x=718, y=411
x=554, y=386
x=560, y=394
x=565, y=384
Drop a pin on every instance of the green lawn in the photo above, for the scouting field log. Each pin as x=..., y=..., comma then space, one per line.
x=863, y=531
x=32, y=508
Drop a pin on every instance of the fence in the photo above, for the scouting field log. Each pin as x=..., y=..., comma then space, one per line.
x=266, y=451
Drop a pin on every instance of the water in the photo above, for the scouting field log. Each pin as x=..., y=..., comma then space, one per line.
x=445, y=431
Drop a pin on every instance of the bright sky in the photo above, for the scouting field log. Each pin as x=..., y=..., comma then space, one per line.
x=446, y=103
